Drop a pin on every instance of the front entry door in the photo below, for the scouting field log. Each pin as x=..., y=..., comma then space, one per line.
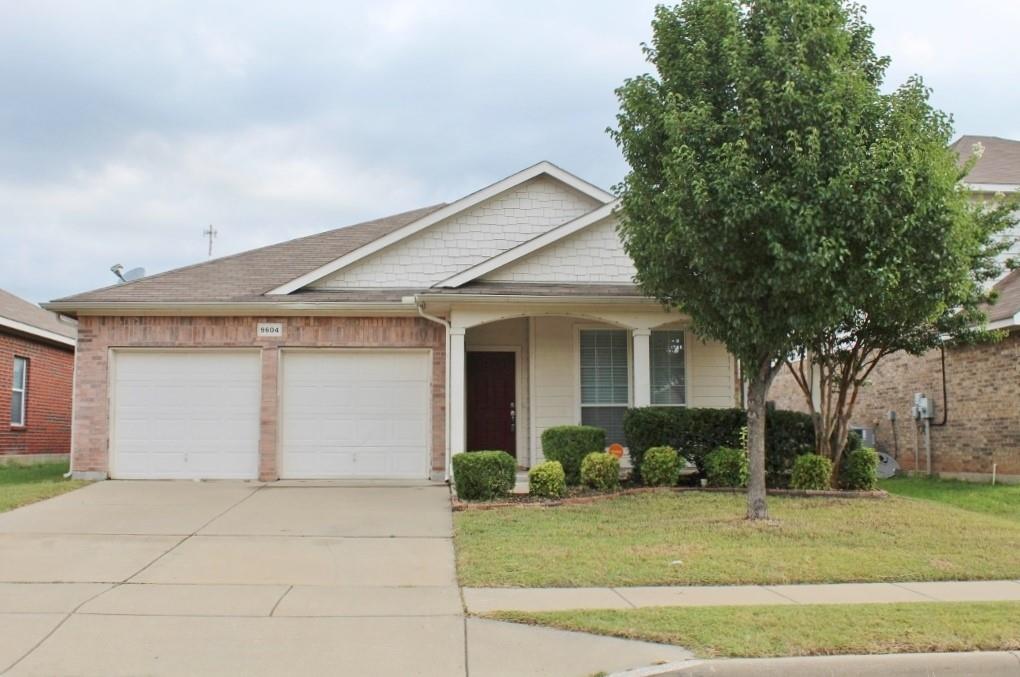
x=491, y=402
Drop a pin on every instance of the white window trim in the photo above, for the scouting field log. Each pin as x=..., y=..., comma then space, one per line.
x=578, y=328
x=687, y=367
x=23, y=390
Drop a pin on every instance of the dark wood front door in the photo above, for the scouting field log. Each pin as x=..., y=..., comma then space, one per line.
x=491, y=402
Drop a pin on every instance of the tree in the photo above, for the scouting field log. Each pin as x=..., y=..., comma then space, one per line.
x=936, y=296
x=771, y=181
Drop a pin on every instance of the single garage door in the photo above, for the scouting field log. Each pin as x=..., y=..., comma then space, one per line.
x=185, y=415
x=355, y=414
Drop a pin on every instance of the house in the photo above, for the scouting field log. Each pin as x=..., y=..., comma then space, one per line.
x=975, y=431
x=36, y=368
x=380, y=349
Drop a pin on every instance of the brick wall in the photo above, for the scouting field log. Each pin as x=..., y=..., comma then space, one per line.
x=47, y=427
x=983, y=428
x=96, y=335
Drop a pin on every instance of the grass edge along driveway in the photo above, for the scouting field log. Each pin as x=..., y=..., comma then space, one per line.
x=24, y=484
x=693, y=538
x=810, y=630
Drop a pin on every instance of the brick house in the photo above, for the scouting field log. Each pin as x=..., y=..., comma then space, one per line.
x=383, y=348
x=36, y=368
x=976, y=390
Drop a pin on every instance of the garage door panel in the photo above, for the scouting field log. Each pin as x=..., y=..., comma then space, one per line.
x=355, y=414
x=186, y=415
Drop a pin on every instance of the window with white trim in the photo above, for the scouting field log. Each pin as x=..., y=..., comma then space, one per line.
x=668, y=373
x=18, y=391
x=605, y=380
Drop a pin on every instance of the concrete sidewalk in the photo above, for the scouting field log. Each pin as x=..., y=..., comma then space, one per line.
x=484, y=600
x=984, y=663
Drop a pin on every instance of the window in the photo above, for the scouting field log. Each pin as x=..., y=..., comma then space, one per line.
x=605, y=381
x=668, y=378
x=18, y=391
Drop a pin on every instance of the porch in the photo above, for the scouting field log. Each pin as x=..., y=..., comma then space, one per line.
x=517, y=370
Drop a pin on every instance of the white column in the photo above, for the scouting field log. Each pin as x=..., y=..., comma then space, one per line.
x=642, y=368
x=458, y=396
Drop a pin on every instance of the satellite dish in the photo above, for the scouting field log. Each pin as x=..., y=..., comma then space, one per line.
x=134, y=274
x=887, y=466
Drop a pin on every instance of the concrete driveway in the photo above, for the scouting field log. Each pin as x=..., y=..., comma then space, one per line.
x=173, y=578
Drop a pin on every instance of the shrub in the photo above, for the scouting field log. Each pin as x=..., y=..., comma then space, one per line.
x=697, y=431
x=569, y=444
x=859, y=470
x=483, y=475
x=661, y=467
x=600, y=470
x=726, y=467
x=811, y=472
x=547, y=480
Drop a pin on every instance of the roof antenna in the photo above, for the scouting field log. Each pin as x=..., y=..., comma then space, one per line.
x=116, y=270
x=210, y=233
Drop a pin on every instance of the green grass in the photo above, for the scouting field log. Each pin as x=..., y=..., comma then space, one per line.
x=24, y=484
x=810, y=630
x=693, y=538
x=1001, y=499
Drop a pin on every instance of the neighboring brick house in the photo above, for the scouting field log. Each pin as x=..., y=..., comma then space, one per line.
x=381, y=349
x=981, y=401
x=36, y=368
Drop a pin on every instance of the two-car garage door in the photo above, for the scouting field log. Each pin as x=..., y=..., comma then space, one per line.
x=180, y=414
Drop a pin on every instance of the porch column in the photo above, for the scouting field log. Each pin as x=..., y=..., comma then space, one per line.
x=642, y=368
x=458, y=396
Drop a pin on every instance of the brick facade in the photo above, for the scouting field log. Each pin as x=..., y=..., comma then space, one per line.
x=983, y=426
x=97, y=335
x=47, y=428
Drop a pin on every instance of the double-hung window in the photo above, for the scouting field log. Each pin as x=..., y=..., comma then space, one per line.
x=605, y=380
x=668, y=377
x=19, y=391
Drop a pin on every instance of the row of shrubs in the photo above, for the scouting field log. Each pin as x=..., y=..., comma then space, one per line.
x=698, y=432
x=727, y=467
x=484, y=475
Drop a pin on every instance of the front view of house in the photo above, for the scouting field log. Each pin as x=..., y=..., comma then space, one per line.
x=380, y=349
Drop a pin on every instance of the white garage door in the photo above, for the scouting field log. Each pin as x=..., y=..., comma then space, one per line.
x=185, y=415
x=355, y=414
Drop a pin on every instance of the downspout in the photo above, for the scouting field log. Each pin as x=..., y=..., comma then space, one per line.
x=74, y=411
x=446, y=385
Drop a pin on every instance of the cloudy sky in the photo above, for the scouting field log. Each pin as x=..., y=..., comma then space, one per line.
x=127, y=128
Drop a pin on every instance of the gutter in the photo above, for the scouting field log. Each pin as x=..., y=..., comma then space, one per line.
x=219, y=308
x=32, y=330
x=420, y=306
x=517, y=298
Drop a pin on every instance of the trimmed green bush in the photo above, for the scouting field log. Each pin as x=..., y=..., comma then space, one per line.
x=569, y=444
x=726, y=467
x=661, y=467
x=601, y=471
x=483, y=475
x=859, y=470
x=547, y=480
x=695, y=432
x=811, y=472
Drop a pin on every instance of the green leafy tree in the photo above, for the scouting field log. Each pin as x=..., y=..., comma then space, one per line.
x=772, y=183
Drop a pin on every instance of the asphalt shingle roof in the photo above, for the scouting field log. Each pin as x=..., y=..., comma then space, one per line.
x=20, y=310
x=999, y=164
x=248, y=275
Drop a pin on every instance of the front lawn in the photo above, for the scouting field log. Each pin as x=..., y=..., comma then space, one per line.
x=694, y=538
x=24, y=484
x=810, y=630
x=1001, y=499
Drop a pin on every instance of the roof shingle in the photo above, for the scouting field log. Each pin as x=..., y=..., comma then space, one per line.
x=19, y=310
x=999, y=163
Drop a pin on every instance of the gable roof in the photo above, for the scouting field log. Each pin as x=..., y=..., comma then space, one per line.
x=542, y=168
x=999, y=164
x=248, y=275
x=19, y=315
x=531, y=246
x=1006, y=309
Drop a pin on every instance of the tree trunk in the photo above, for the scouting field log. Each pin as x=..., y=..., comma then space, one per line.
x=757, y=390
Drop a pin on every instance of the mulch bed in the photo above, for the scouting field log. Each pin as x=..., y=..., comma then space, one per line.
x=581, y=496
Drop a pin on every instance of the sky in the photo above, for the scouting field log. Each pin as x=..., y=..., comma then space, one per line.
x=126, y=129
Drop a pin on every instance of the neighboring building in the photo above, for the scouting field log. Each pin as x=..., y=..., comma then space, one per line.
x=380, y=349
x=36, y=368
x=980, y=405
